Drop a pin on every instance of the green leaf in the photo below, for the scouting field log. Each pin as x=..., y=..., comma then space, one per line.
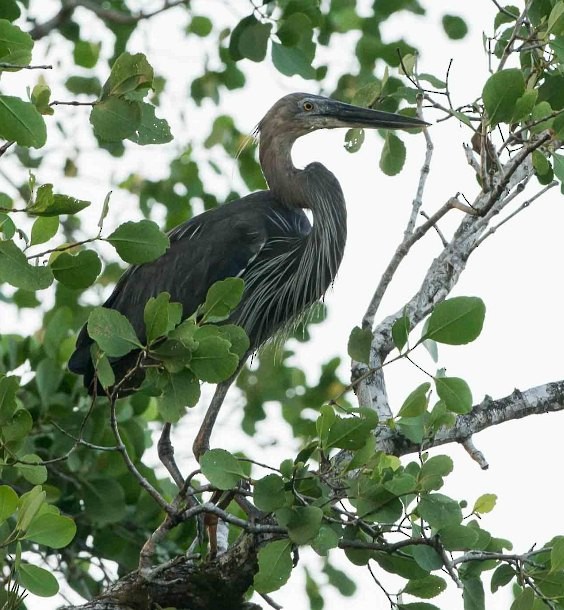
x=558, y=161
x=292, y=60
x=15, y=45
x=15, y=269
x=7, y=226
x=354, y=138
x=324, y=422
x=359, y=344
x=96, y=494
x=221, y=468
x=274, y=566
x=43, y=230
x=502, y=576
x=484, y=504
x=104, y=371
x=151, y=129
x=115, y=119
x=212, y=361
x=455, y=393
x=458, y=537
x=83, y=84
x=413, y=428
x=269, y=493
x=86, y=53
x=51, y=530
x=557, y=554
x=416, y=403
x=541, y=111
x=339, y=580
x=48, y=378
x=427, y=557
x=439, y=510
x=400, y=332
x=524, y=105
x=302, y=522
x=37, y=580
x=9, y=10
x=473, y=594
x=182, y=390
x=556, y=19
x=427, y=587
x=21, y=122
x=161, y=316
x=112, y=331
x=139, y=242
x=200, y=26
x=253, y=41
x=502, y=17
x=129, y=74
x=29, y=505
x=32, y=471
x=222, y=298
x=500, y=95
x=525, y=600
x=402, y=565
x=9, y=385
x=454, y=27
x=352, y=432
x=325, y=540
x=40, y=97
x=393, y=155
x=48, y=203
x=236, y=336
x=456, y=321
x=432, y=472
x=78, y=271
x=8, y=502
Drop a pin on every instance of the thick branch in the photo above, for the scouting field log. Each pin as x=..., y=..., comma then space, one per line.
x=546, y=398
x=187, y=583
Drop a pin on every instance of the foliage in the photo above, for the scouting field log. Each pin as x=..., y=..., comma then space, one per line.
x=64, y=454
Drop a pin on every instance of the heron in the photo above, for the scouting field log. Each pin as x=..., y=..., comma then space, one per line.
x=287, y=263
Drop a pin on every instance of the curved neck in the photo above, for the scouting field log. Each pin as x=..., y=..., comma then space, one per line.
x=314, y=188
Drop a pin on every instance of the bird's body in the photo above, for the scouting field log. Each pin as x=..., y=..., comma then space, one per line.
x=286, y=262
x=272, y=242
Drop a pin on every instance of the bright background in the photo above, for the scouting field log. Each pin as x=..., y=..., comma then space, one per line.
x=517, y=272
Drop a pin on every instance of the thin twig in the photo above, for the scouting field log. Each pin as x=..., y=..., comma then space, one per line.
x=159, y=499
x=72, y=103
x=392, y=603
x=4, y=148
x=475, y=453
x=270, y=601
x=401, y=252
x=507, y=50
x=7, y=66
x=423, y=175
x=524, y=205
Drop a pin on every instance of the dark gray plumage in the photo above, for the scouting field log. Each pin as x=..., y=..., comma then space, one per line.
x=265, y=238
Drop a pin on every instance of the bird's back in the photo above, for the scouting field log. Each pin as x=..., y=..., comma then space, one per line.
x=245, y=238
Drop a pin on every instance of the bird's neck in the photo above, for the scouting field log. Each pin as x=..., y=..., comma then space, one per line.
x=314, y=188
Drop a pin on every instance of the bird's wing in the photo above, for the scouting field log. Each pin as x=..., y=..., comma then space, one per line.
x=200, y=253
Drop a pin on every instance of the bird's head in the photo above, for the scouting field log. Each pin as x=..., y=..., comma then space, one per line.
x=299, y=113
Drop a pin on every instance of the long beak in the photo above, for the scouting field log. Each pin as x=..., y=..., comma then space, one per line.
x=339, y=114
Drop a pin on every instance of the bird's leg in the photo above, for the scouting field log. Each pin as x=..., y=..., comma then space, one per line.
x=202, y=440
x=166, y=456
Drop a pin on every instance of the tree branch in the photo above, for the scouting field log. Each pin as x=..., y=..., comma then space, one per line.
x=548, y=398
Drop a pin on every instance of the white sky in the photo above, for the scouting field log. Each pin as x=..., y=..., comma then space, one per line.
x=516, y=273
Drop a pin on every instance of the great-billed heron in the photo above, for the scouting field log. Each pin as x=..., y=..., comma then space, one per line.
x=265, y=238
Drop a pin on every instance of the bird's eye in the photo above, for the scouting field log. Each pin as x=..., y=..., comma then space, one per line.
x=308, y=106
